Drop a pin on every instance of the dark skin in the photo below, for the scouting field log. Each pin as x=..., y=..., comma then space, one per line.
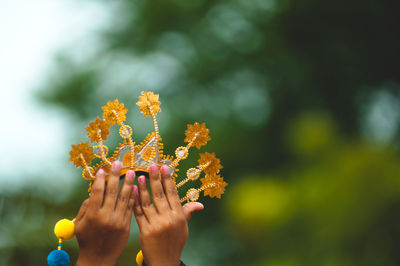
x=102, y=225
x=103, y=222
x=163, y=224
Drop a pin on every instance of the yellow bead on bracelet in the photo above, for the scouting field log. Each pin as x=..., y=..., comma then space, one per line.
x=64, y=230
x=139, y=258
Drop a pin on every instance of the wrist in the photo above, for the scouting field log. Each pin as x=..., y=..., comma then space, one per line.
x=163, y=263
x=85, y=259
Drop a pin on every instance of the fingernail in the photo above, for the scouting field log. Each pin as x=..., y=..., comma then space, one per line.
x=116, y=165
x=165, y=169
x=142, y=179
x=130, y=174
x=101, y=171
x=134, y=189
x=154, y=168
x=137, y=196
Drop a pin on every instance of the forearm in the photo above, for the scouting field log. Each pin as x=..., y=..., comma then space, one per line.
x=86, y=260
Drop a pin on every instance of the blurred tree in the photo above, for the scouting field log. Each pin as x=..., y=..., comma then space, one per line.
x=247, y=62
x=335, y=206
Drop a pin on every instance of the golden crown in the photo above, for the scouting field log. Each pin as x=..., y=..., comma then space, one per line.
x=139, y=157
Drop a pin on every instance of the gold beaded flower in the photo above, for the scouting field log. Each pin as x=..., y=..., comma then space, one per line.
x=197, y=134
x=214, y=185
x=149, y=100
x=81, y=154
x=212, y=164
x=98, y=130
x=114, y=112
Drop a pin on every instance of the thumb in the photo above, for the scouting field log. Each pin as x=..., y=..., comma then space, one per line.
x=190, y=208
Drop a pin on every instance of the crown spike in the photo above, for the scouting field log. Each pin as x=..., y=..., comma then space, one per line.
x=190, y=144
x=86, y=168
x=193, y=194
x=133, y=154
x=184, y=181
x=114, y=111
x=191, y=175
x=126, y=133
x=98, y=126
x=208, y=163
x=118, y=119
x=214, y=185
x=102, y=149
x=155, y=125
x=181, y=153
x=204, y=166
x=81, y=150
x=197, y=135
x=150, y=105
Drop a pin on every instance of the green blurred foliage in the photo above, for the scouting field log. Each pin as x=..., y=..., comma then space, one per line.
x=335, y=206
x=284, y=87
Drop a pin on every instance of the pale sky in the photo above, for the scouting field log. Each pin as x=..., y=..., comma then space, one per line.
x=33, y=136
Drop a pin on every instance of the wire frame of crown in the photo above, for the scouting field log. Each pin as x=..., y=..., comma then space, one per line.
x=139, y=157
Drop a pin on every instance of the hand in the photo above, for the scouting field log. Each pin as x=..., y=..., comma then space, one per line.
x=103, y=223
x=163, y=226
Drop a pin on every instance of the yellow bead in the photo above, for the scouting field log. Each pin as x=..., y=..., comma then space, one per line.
x=139, y=258
x=64, y=229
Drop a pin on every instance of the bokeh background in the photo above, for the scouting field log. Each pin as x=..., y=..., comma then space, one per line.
x=302, y=98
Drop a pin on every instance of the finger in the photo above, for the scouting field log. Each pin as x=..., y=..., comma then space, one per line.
x=111, y=194
x=82, y=211
x=145, y=201
x=131, y=203
x=140, y=218
x=97, y=191
x=157, y=190
x=190, y=208
x=125, y=192
x=170, y=189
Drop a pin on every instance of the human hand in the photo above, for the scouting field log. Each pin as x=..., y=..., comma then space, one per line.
x=163, y=226
x=103, y=223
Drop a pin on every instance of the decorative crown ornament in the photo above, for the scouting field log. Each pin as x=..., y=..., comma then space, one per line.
x=139, y=157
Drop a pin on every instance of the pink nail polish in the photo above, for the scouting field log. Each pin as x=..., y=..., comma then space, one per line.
x=165, y=169
x=100, y=172
x=117, y=165
x=154, y=168
x=130, y=174
x=134, y=189
x=142, y=179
